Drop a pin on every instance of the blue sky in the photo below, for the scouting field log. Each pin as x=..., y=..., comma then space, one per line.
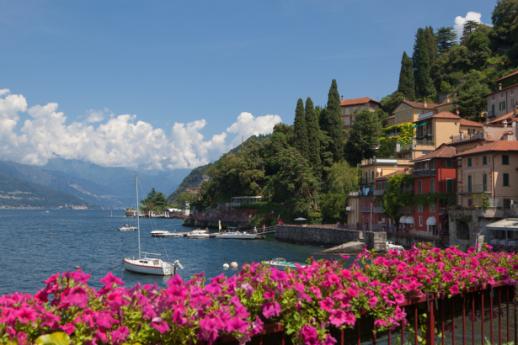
x=179, y=61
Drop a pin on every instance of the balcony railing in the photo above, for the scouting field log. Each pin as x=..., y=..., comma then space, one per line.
x=474, y=189
x=424, y=141
x=467, y=137
x=424, y=172
x=486, y=316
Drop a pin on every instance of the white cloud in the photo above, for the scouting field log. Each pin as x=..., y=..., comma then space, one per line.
x=460, y=21
x=34, y=134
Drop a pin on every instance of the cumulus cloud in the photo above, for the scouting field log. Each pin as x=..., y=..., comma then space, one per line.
x=460, y=21
x=34, y=134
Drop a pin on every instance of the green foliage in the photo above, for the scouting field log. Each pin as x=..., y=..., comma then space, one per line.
x=505, y=29
x=406, y=78
x=341, y=180
x=423, y=58
x=472, y=95
x=154, y=202
x=402, y=133
x=331, y=123
x=313, y=131
x=364, y=138
x=396, y=197
x=390, y=102
x=446, y=38
x=300, y=130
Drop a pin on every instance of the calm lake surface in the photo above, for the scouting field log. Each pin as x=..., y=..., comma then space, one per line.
x=35, y=244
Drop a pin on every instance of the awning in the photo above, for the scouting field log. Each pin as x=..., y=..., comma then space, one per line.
x=431, y=221
x=402, y=220
x=410, y=220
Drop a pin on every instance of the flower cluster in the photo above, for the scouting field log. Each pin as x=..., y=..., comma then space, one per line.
x=307, y=301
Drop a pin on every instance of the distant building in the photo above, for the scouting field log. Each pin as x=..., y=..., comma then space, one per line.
x=487, y=189
x=505, y=99
x=409, y=111
x=351, y=106
x=435, y=179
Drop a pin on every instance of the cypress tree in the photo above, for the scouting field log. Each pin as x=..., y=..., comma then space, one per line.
x=313, y=136
x=424, y=87
x=406, y=78
x=446, y=37
x=300, y=129
x=331, y=123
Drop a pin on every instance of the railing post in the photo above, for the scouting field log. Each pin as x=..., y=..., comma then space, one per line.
x=430, y=326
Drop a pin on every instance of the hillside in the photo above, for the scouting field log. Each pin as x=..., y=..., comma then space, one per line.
x=15, y=192
x=88, y=183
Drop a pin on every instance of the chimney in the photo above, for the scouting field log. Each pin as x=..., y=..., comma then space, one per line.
x=499, y=86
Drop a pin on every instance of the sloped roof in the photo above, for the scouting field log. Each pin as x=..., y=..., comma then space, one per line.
x=441, y=115
x=494, y=146
x=356, y=101
x=469, y=123
x=500, y=118
x=420, y=105
x=515, y=72
x=443, y=151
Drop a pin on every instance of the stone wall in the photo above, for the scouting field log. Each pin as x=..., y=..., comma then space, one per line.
x=328, y=236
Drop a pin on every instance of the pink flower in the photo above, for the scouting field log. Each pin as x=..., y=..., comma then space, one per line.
x=26, y=315
x=110, y=279
x=160, y=325
x=271, y=310
x=119, y=335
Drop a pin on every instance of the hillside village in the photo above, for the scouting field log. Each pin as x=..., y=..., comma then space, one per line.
x=464, y=174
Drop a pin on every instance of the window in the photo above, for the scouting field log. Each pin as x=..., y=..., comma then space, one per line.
x=432, y=186
x=484, y=183
x=470, y=189
x=420, y=208
x=484, y=160
x=469, y=162
x=462, y=231
x=449, y=186
x=431, y=207
x=507, y=204
x=505, y=180
x=419, y=187
x=505, y=160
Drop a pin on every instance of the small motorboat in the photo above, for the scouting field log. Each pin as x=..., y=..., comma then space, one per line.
x=281, y=262
x=147, y=264
x=392, y=246
x=127, y=228
x=238, y=235
x=165, y=233
x=199, y=234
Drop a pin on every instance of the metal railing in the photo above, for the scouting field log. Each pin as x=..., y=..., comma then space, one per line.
x=467, y=137
x=487, y=316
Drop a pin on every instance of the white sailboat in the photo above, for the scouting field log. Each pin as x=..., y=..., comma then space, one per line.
x=149, y=263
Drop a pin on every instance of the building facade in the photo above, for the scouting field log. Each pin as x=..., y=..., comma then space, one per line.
x=505, y=99
x=352, y=106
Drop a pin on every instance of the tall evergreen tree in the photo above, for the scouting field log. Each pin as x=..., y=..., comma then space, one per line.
x=446, y=37
x=364, y=138
x=331, y=122
x=313, y=134
x=469, y=27
x=406, y=78
x=505, y=28
x=424, y=87
x=300, y=130
x=431, y=44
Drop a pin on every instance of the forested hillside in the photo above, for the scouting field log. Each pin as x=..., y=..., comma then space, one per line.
x=307, y=169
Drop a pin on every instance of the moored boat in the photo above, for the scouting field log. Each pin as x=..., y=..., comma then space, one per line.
x=127, y=228
x=165, y=233
x=238, y=235
x=281, y=262
x=199, y=234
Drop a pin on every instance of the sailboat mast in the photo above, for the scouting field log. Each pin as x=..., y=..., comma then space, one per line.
x=138, y=218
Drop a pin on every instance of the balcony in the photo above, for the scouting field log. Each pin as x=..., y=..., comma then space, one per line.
x=467, y=137
x=474, y=189
x=424, y=172
x=424, y=141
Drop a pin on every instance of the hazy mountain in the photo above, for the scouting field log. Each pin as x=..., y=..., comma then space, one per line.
x=93, y=184
x=15, y=192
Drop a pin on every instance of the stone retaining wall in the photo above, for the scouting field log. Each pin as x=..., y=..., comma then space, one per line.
x=328, y=236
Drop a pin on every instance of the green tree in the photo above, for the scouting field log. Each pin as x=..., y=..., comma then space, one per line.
x=293, y=184
x=300, y=130
x=313, y=136
x=390, y=102
x=479, y=47
x=406, y=78
x=446, y=38
x=364, y=138
x=505, y=29
x=331, y=123
x=469, y=27
x=396, y=196
x=422, y=58
x=472, y=95
x=154, y=201
x=341, y=180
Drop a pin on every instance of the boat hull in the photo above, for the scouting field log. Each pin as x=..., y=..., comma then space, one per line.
x=149, y=266
x=238, y=236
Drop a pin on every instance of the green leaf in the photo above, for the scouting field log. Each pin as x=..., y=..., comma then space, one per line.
x=56, y=338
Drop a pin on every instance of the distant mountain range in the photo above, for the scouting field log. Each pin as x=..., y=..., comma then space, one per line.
x=71, y=182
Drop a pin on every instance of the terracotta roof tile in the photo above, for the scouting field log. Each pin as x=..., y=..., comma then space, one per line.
x=495, y=146
x=500, y=118
x=441, y=115
x=508, y=75
x=469, y=123
x=356, y=101
x=443, y=151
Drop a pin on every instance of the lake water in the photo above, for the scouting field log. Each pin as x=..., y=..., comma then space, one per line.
x=35, y=244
